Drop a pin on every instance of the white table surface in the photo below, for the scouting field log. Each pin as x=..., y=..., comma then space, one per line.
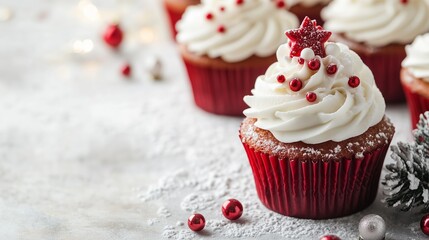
x=80, y=145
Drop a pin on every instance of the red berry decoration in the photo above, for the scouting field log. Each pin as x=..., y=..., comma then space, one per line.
x=126, y=70
x=424, y=224
x=301, y=61
x=221, y=29
x=314, y=64
x=308, y=35
x=331, y=69
x=239, y=2
x=281, y=78
x=295, y=85
x=196, y=222
x=222, y=9
x=232, y=209
x=330, y=237
x=404, y=1
x=311, y=96
x=354, y=81
x=113, y=35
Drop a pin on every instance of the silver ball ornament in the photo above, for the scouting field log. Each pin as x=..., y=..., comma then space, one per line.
x=372, y=227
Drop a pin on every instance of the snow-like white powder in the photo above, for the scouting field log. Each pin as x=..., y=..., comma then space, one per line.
x=204, y=188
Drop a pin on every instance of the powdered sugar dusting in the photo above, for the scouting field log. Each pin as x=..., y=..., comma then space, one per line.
x=204, y=188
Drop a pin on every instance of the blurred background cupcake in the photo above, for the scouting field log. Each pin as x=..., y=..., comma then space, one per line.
x=415, y=77
x=310, y=8
x=175, y=9
x=378, y=31
x=315, y=134
x=226, y=45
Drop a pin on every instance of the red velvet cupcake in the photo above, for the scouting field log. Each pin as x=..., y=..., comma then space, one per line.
x=315, y=133
x=175, y=9
x=378, y=31
x=225, y=45
x=415, y=77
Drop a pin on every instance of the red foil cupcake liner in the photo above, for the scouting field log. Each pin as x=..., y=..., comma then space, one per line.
x=316, y=189
x=221, y=90
x=174, y=17
x=386, y=68
x=417, y=104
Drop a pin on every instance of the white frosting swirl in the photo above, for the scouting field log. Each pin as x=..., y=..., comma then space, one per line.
x=417, y=60
x=254, y=27
x=306, y=3
x=340, y=111
x=378, y=22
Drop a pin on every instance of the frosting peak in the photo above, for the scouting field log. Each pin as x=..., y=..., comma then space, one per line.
x=417, y=60
x=318, y=98
x=378, y=22
x=233, y=31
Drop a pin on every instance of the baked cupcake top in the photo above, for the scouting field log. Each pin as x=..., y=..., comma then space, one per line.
x=235, y=30
x=378, y=22
x=417, y=60
x=306, y=3
x=317, y=91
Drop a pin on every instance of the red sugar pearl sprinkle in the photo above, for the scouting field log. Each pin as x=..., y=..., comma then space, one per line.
x=354, y=81
x=301, y=61
x=311, y=97
x=404, y=1
x=209, y=16
x=295, y=85
x=221, y=29
x=232, y=209
x=314, y=64
x=239, y=2
x=126, y=70
x=222, y=9
x=330, y=237
x=280, y=4
x=196, y=222
x=331, y=69
x=281, y=78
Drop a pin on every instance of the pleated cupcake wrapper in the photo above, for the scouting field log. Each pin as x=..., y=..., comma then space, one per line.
x=221, y=90
x=386, y=69
x=173, y=17
x=417, y=104
x=316, y=189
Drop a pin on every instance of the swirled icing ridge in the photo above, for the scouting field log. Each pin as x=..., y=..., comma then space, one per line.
x=340, y=111
x=234, y=32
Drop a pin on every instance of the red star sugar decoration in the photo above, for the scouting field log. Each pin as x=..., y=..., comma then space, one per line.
x=308, y=35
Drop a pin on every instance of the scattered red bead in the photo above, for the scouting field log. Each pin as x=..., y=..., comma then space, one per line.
x=295, y=85
x=281, y=78
x=280, y=4
x=301, y=61
x=221, y=29
x=232, y=209
x=126, y=70
x=330, y=237
x=239, y=2
x=196, y=222
x=308, y=35
x=404, y=1
x=311, y=96
x=314, y=64
x=331, y=69
x=222, y=9
x=113, y=35
x=424, y=224
x=354, y=81
x=209, y=16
